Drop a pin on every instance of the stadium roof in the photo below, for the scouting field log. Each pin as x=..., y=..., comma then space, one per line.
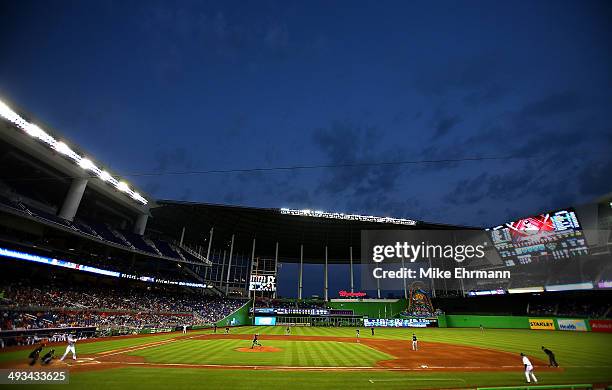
x=289, y=228
x=44, y=144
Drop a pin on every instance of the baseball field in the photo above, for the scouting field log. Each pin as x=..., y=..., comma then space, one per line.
x=329, y=358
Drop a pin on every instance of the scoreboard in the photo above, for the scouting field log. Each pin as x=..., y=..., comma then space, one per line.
x=262, y=283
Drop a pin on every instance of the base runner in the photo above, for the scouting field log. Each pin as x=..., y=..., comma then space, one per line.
x=528, y=369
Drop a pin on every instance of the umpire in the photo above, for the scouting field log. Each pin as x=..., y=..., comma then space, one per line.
x=552, y=362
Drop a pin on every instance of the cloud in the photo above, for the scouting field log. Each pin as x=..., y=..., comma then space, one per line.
x=343, y=143
x=444, y=123
x=173, y=159
x=476, y=73
x=559, y=103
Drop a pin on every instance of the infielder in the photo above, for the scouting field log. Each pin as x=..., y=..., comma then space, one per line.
x=528, y=369
x=415, y=343
x=357, y=335
x=70, y=348
x=552, y=362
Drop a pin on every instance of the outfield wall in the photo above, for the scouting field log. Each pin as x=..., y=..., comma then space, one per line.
x=237, y=318
x=375, y=308
x=522, y=322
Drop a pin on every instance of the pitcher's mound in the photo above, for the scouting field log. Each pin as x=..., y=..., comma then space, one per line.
x=259, y=349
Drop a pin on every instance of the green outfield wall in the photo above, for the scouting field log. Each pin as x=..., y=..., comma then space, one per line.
x=513, y=322
x=237, y=318
x=376, y=308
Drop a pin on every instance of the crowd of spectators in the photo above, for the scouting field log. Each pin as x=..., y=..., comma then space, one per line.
x=571, y=309
x=291, y=303
x=67, y=305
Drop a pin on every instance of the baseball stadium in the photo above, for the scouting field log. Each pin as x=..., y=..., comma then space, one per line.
x=104, y=286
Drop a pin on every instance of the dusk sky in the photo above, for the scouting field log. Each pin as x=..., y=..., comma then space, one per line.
x=154, y=87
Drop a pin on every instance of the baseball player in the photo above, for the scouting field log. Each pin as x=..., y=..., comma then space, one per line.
x=372, y=329
x=552, y=362
x=70, y=348
x=227, y=330
x=415, y=343
x=255, y=341
x=46, y=359
x=215, y=329
x=357, y=335
x=288, y=331
x=184, y=329
x=33, y=356
x=528, y=369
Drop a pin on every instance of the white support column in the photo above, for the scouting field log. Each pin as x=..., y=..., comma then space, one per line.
x=378, y=288
x=404, y=279
x=252, y=262
x=182, y=235
x=301, y=270
x=229, y=266
x=276, y=269
x=73, y=199
x=351, y=265
x=210, y=238
x=222, y=268
x=325, y=289
x=141, y=224
x=433, y=286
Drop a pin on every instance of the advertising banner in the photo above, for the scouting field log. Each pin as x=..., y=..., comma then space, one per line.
x=574, y=325
x=542, y=323
x=601, y=325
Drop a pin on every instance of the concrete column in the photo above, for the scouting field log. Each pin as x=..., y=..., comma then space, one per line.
x=229, y=266
x=301, y=270
x=73, y=199
x=210, y=237
x=378, y=288
x=141, y=224
x=325, y=287
x=276, y=268
x=351, y=265
x=182, y=235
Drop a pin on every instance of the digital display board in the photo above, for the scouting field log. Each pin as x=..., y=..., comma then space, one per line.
x=4, y=252
x=266, y=321
x=262, y=283
x=400, y=323
x=556, y=235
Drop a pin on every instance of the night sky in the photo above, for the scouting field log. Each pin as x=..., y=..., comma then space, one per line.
x=153, y=87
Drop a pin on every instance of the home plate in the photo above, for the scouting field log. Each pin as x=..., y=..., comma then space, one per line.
x=424, y=366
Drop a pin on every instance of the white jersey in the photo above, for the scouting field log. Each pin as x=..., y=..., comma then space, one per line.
x=526, y=362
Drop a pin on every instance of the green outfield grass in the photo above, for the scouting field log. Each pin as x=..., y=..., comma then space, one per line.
x=293, y=353
x=585, y=357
